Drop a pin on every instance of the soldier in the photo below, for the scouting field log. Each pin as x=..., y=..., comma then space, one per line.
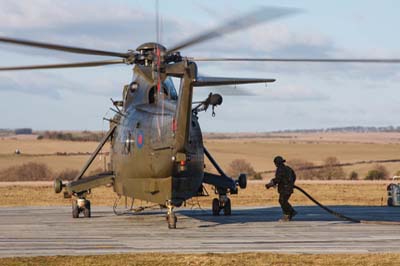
x=284, y=178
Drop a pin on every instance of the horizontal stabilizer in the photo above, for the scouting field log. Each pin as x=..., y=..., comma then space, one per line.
x=218, y=81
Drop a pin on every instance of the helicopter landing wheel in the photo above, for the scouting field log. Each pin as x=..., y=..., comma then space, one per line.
x=227, y=207
x=390, y=202
x=223, y=203
x=75, y=209
x=172, y=219
x=86, y=210
x=215, y=207
x=81, y=205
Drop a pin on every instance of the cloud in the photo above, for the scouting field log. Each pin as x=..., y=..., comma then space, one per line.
x=294, y=93
x=105, y=25
x=46, y=14
x=304, y=95
x=35, y=84
x=226, y=91
x=55, y=84
x=71, y=23
x=272, y=92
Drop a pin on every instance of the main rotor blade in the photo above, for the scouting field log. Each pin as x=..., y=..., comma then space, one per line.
x=302, y=60
x=219, y=81
x=239, y=23
x=68, y=49
x=71, y=65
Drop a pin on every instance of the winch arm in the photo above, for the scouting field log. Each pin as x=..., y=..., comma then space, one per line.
x=94, y=154
x=223, y=185
x=222, y=181
x=79, y=185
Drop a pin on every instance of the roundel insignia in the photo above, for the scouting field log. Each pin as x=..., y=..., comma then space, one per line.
x=139, y=139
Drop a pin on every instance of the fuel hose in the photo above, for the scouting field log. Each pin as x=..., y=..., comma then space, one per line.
x=341, y=216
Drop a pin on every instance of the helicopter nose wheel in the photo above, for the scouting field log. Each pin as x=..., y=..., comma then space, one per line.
x=223, y=203
x=81, y=205
x=171, y=217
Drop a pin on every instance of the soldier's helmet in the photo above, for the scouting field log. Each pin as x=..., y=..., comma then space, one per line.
x=279, y=160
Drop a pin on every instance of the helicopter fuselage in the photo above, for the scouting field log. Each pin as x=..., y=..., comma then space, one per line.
x=145, y=161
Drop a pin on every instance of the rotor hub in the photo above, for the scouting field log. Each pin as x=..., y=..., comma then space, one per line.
x=151, y=52
x=150, y=46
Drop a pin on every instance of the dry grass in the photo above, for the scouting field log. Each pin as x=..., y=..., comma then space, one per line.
x=27, y=172
x=30, y=147
x=33, y=146
x=347, y=193
x=254, y=259
x=55, y=163
x=259, y=152
x=368, y=194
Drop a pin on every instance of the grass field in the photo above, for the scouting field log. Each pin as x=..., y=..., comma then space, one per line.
x=330, y=193
x=47, y=149
x=254, y=259
x=259, y=152
x=44, y=146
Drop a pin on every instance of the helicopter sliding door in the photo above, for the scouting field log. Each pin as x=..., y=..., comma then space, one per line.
x=161, y=141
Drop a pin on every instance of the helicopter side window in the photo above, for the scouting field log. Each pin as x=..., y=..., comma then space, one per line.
x=170, y=89
x=151, y=95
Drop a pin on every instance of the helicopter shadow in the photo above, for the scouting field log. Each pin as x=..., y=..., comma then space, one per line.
x=305, y=214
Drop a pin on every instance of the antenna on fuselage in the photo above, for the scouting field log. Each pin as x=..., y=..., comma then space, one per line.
x=160, y=92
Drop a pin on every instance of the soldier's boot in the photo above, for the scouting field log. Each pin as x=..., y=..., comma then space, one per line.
x=293, y=214
x=285, y=218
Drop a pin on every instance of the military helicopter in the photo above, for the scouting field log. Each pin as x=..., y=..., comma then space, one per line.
x=157, y=150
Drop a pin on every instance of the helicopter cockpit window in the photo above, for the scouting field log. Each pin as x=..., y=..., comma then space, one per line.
x=168, y=90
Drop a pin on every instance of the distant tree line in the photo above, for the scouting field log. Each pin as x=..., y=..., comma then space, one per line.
x=71, y=136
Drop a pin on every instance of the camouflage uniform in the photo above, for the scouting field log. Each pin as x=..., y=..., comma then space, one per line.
x=285, y=178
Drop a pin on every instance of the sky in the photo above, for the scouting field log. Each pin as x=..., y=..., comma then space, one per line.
x=304, y=95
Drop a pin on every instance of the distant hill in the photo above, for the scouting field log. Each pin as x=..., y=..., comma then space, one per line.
x=86, y=135
x=287, y=134
x=356, y=129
